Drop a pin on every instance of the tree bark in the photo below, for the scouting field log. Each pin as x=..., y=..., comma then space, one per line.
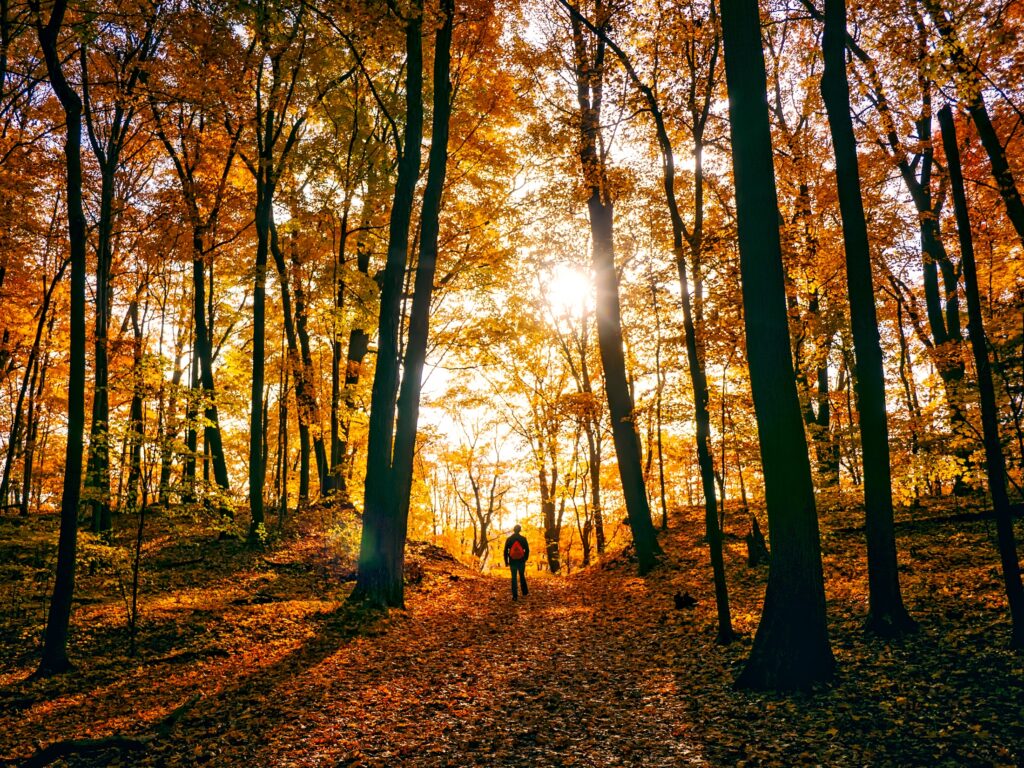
x=995, y=462
x=203, y=351
x=886, y=614
x=589, y=86
x=791, y=647
x=426, y=268
x=136, y=433
x=379, y=580
x=54, y=656
x=264, y=219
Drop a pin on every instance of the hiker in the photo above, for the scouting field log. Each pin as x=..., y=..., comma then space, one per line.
x=517, y=552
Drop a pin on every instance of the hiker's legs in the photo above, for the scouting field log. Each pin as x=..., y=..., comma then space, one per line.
x=522, y=579
x=515, y=586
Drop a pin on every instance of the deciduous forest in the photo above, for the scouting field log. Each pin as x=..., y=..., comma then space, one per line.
x=306, y=305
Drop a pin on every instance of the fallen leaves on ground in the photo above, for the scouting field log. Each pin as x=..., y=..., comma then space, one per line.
x=597, y=669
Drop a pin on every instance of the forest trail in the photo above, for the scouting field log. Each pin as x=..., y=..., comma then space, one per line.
x=469, y=678
x=254, y=659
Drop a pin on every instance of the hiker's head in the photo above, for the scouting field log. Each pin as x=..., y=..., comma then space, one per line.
x=517, y=529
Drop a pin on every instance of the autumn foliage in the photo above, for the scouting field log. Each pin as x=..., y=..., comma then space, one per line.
x=303, y=305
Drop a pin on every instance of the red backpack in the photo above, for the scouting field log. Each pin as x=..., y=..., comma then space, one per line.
x=516, y=551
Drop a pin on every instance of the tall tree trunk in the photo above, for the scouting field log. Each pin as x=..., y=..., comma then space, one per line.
x=660, y=376
x=694, y=348
x=620, y=404
x=257, y=476
x=995, y=462
x=191, y=425
x=294, y=362
x=358, y=346
x=426, y=268
x=594, y=466
x=791, y=647
x=379, y=580
x=312, y=405
x=548, y=505
x=97, y=478
x=54, y=656
x=203, y=352
x=589, y=86
x=886, y=613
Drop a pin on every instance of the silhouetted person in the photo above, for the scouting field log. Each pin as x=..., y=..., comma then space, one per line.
x=517, y=552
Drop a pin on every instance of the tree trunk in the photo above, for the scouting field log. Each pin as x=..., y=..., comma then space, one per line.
x=312, y=405
x=594, y=465
x=97, y=478
x=135, y=413
x=995, y=462
x=886, y=613
x=264, y=219
x=54, y=656
x=31, y=436
x=791, y=647
x=302, y=395
x=204, y=351
x=552, y=533
x=379, y=580
x=31, y=366
x=694, y=346
x=620, y=404
x=589, y=85
x=358, y=346
x=426, y=268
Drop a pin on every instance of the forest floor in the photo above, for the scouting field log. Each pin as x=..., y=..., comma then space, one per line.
x=253, y=659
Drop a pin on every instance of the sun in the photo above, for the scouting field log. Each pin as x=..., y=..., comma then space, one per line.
x=568, y=291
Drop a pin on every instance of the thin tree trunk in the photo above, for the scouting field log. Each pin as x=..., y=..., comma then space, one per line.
x=264, y=219
x=135, y=416
x=298, y=374
x=886, y=614
x=203, y=352
x=32, y=435
x=27, y=383
x=694, y=347
x=358, y=346
x=791, y=647
x=97, y=478
x=995, y=462
x=54, y=656
x=312, y=405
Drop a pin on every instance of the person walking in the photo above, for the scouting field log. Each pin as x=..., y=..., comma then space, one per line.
x=517, y=552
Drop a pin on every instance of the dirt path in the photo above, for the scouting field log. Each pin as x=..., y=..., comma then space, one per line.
x=469, y=678
x=596, y=670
